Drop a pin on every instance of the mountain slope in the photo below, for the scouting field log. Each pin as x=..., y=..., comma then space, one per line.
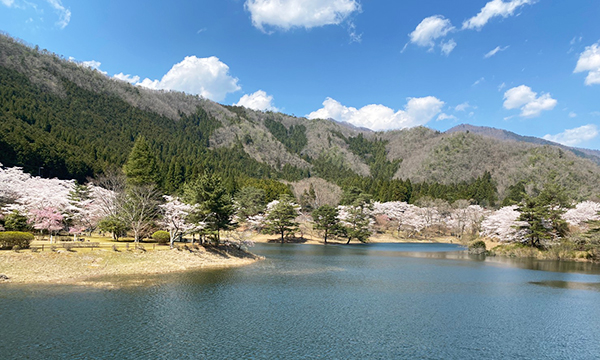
x=62, y=119
x=499, y=134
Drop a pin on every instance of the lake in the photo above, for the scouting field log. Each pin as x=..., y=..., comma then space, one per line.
x=375, y=301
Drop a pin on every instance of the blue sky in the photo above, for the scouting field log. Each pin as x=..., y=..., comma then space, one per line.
x=528, y=66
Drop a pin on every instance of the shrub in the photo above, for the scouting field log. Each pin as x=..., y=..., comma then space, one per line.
x=477, y=247
x=14, y=221
x=10, y=239
x=161, y=237
x=477, y=244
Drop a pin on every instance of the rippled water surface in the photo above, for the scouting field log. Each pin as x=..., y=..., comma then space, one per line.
x=378, y=301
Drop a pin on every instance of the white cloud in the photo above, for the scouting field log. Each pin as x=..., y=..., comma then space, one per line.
x=493, y=9
x=208, y=77
x=464, y=106
x=431, y=29
x=63, y=13
x=93, y=64
x=132, y=79
x=572, y=114
x=572, y=137
x=258, y=101
x=448, y=46
x=417, y=111
x=478, y=81
x=573, y=42
x=494, y=52
x=444, y=116
x=589, y=60
x=530, y=104
x=501, y=86
x=286, y=14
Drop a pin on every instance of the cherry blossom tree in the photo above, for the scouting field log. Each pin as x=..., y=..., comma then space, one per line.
x=23, y=192
x=176, y=218
x=465, y=217
x=49, y=219
x=76, y=230
x=407, y=217
x=582, y=212
x=502, y=225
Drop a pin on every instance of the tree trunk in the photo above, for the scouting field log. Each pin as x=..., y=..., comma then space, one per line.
x=282, y=232
x=325, y=237
x=348, y=242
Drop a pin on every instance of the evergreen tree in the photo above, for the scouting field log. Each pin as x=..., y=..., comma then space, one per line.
x=175, y=176
x=357, y=222
x=515, y=194
x=14, y=221
x=141, y=167
x=280, y=219
x=308, y=199
x=326, y=219
x=250, y=201
x=114, y=225
x=215, y=203
x=351, y=195
x=543, y=215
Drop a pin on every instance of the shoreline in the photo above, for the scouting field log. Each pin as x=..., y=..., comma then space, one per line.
x=493, y=248
x=92, y=268
x=375, y=239
x=106, y=268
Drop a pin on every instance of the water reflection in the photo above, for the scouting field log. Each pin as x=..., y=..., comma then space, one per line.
x=374, y=301
x=568, y=285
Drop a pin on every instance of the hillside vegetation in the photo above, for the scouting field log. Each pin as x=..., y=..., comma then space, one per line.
x=62, y=119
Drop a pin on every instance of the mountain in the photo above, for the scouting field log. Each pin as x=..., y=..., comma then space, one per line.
x=62, y=119
x=499, y=134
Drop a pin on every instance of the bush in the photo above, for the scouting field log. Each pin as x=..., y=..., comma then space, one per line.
x=477, y=247
x=161, y=237
x=477, y=244
x=10, y=239
x=15, y=222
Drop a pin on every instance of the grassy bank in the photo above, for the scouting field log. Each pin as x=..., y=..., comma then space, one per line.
x=562, y=251
x=81, y=266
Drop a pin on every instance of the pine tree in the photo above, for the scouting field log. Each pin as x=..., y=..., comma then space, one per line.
x=280, y=219
x=358, y=220
x=250, y=201
x=543, y=215
x=215, y=203
x=141, y=167
x=326, y=219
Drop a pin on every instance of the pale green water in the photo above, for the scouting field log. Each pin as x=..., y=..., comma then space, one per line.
x=313, y=302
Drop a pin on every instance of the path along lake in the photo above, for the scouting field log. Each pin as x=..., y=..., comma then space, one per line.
x=376, y=301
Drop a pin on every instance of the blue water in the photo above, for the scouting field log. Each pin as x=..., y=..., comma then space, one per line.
x=381, y=301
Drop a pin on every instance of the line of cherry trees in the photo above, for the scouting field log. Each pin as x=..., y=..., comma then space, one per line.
x=129, y=201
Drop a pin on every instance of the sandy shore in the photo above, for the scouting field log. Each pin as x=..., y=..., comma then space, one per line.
x=82, y=267
x=378, y=238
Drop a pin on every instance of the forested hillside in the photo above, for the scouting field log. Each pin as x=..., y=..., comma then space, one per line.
x=62, y=119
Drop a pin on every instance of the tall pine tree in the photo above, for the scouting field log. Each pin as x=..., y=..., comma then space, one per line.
x=141, y=167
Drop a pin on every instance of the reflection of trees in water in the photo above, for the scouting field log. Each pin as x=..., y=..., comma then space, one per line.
x=568, y=285
x=550, y=265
